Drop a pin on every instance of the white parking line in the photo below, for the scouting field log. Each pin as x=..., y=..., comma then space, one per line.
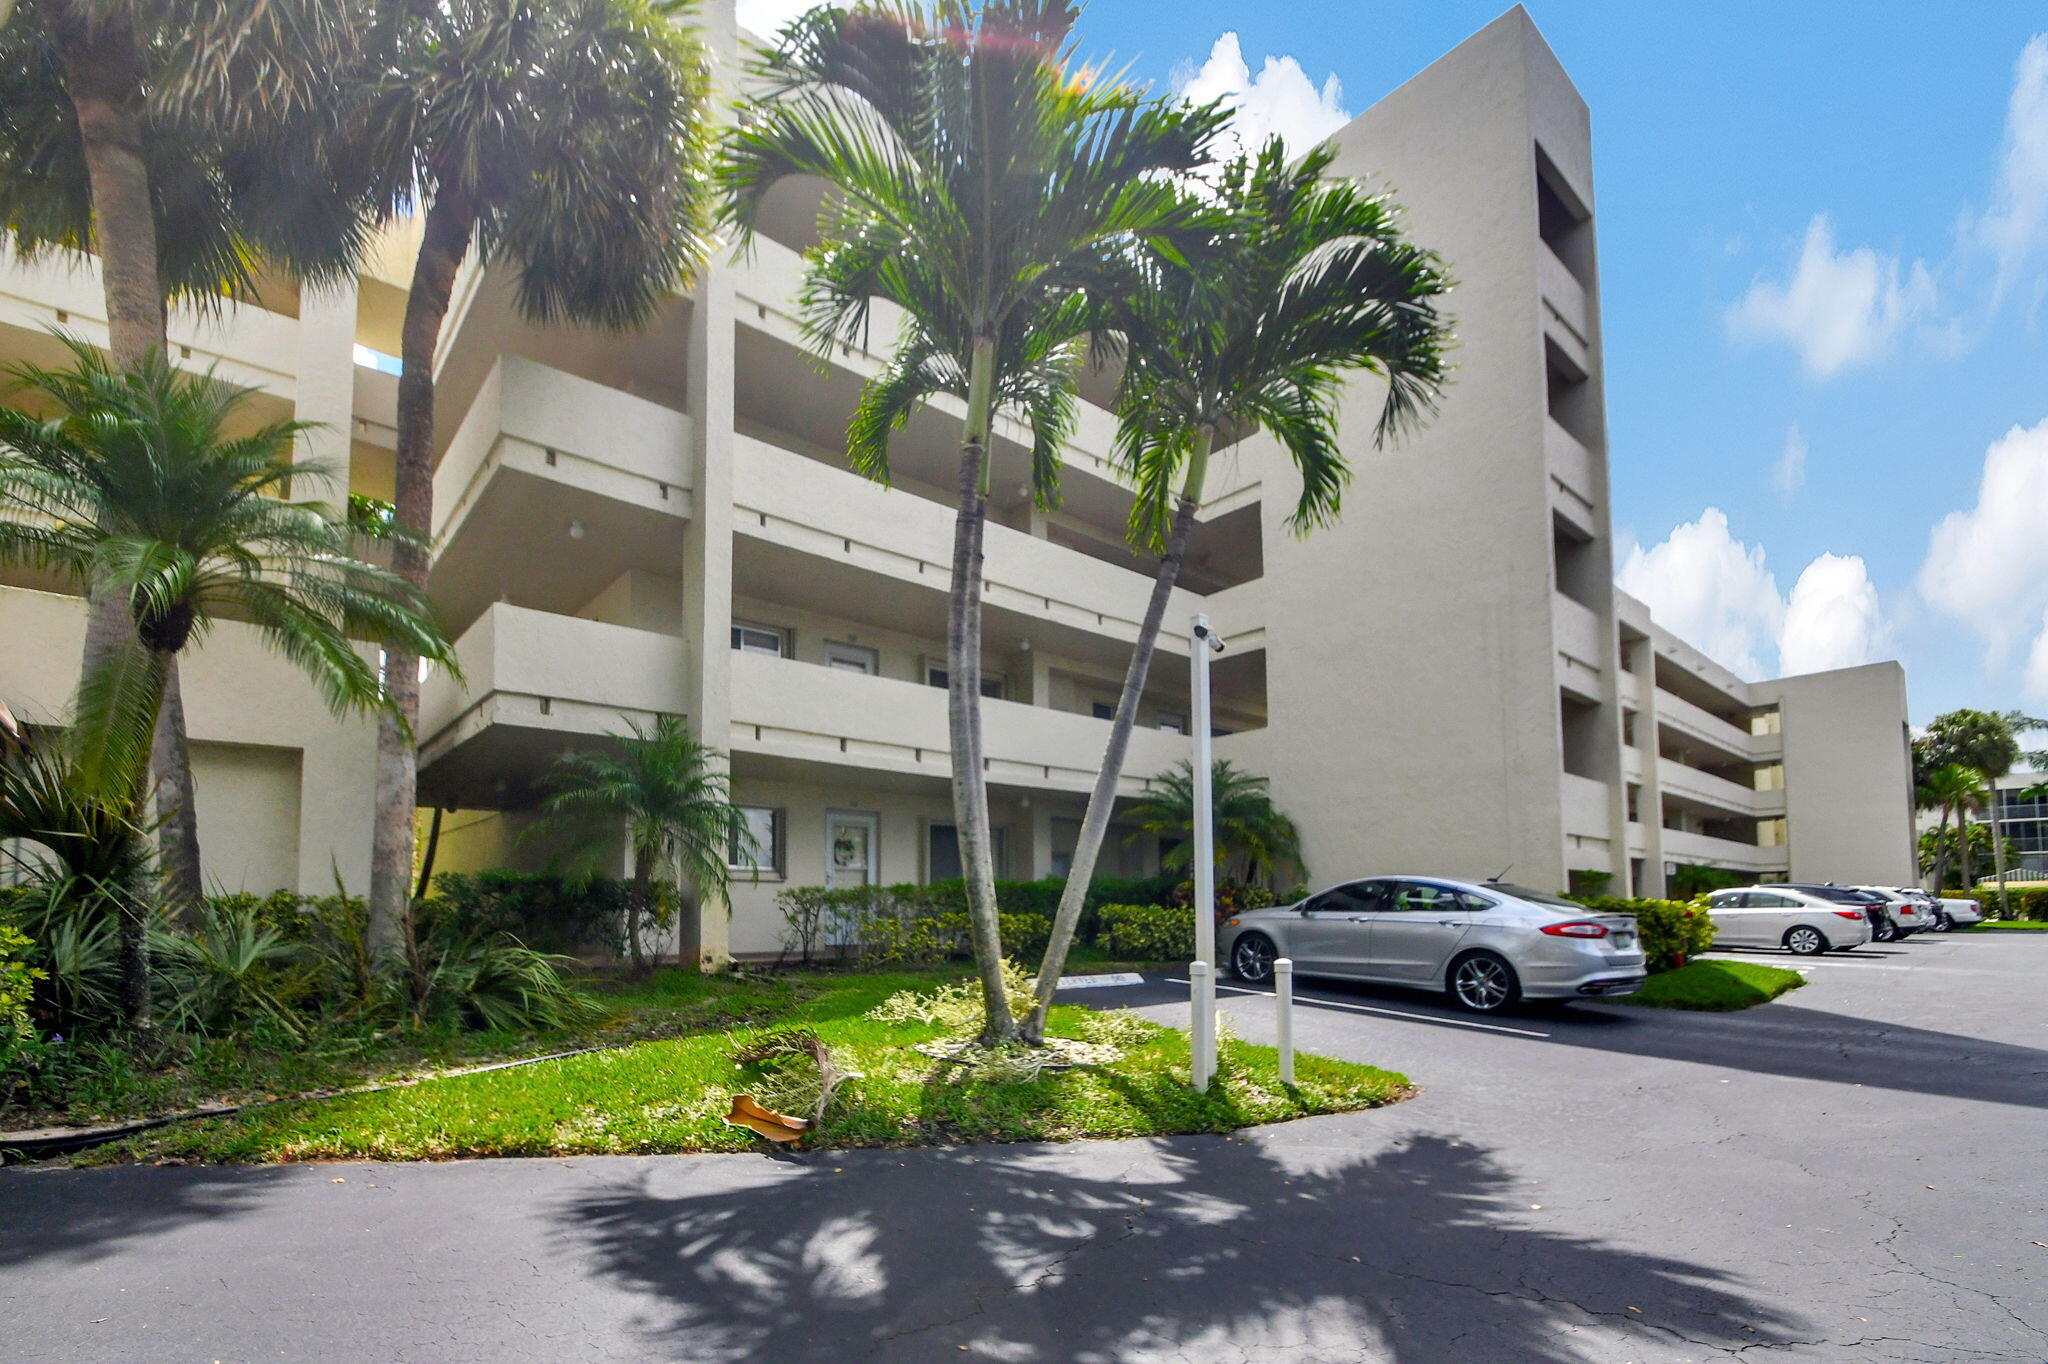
x=1369, y=1009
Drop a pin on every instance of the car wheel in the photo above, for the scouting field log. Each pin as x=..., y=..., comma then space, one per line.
x=1883, y=931
x=1942, y=923
x=1805, y=941
x=1251, y=958
x=1483, y=983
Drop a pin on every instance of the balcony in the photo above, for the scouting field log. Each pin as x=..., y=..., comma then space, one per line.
x=1567, y=316
x=787, y=709
x=543, y=458
x=1581, y=646
x=1586, y=807
x=1697, y=722
x=1680, y=846
x=1573, y=476
x=537, y=683
x=1071, y=599
x=1675, y=778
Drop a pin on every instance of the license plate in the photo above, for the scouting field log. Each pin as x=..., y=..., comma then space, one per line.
x=1623, y=939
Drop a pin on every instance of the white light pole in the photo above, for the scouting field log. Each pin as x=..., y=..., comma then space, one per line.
x=1202, y=974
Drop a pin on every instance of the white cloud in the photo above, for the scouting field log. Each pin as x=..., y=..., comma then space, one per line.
x=1988, y=566
x=1710, y=590
x=2018, y=221
x=765, y=18
x=1280, y=99
x=1832, y=619
x=1788, y=475
x=1717, y=593
x=1839, y=309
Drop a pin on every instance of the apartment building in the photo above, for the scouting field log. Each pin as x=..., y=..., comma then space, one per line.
x=662, y=522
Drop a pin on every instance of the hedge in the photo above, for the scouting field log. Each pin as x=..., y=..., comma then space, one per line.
x=1148, y=932
x=1670, y=931
x=2030, y=902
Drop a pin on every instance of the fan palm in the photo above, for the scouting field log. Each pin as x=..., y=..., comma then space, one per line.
x=564, y=138
x=134, y=484
x=978, y=182
x=666, y=787
x=1254, y=327
x=1254, y=840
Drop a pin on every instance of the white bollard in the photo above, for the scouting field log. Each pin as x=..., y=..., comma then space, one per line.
x=1202, y=1000
x=1283, y=1016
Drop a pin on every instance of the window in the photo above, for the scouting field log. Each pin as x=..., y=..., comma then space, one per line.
x=759, y=639
x=852, y=658
x=942, y=852
x=1355, y=898
x=1419, y=897
x=991, y=683
x=760, y=852
x=1103, y=710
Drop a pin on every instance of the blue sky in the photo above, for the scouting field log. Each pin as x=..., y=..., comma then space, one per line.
x=1824, y=269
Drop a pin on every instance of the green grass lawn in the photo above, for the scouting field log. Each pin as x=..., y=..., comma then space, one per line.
x=1715, y=985
x=2023, y=924
x=671, y=1094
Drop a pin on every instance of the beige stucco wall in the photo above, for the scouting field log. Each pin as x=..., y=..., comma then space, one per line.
x=1848, y=774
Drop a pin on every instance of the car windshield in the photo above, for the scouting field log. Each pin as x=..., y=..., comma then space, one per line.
x=1841, y=896
x=1536, y=897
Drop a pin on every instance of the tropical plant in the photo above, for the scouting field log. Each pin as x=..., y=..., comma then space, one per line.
x=227, y=969
x=565, y=139
x=979, y=183
x=1941, y=847
x=86, y=860
x=137, y=485
x=1254, y=840
x=1988, y=743
x=1255, y=325
x=668, y=791
x=1950, y=787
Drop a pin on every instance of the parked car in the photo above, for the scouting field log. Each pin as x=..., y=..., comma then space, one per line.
x=1911, y=910
x=1780, y=916
x=1951, y=914
x=1487, y=944
x=1888, y=922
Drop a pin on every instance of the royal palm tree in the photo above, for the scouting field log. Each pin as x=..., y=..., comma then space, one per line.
x=1950, y=787
x=171, y=140
x=978, y=183
x=1301, y=281
x=134, y=482
x=1988, y=743
x=669, y=792
x=1254, y=840
x=564, y=139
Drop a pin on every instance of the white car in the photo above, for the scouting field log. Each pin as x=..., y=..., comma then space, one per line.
x=1778, y=916
x=1952, y=914
x=1912, y=911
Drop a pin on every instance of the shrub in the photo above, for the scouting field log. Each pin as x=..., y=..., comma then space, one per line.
x=546, y=912
x=1148, y=932
x=2030, y=902
x=1232, y=897
x=1670, y=931
x=499, y=984
x=17, y=984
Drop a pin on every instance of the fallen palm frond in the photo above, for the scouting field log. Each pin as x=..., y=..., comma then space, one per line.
x=787, y=1086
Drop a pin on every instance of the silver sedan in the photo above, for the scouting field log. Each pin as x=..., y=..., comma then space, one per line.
x=1485, y=944
x=1799, y=921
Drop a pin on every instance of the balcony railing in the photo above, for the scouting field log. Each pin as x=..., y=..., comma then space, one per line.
x=1699, y=723
x=543, y=423
x=792, y=709
x=1676, y=778
x=1680, y=846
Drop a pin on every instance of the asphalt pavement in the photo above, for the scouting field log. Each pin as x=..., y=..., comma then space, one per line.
x=1854, y=1173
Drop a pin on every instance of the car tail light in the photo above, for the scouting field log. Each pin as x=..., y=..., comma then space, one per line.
x=1230, y=923
x=1576, y=930
x=1848, y=914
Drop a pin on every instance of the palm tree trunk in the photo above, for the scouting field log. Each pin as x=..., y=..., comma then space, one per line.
x=176, y=797
x=1963, y=858
x=1941, y=852
x=643, y=885
x=134, y=954
x=1102, y=800
x=103, y=76
x=1997, y=844
x=963, y=698
x=444, y=243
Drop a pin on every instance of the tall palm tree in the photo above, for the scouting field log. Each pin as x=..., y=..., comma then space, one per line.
x=1950, y=787
x=171, y=140
x=566, y=139
x=1987, y=742
x=1254, y=327
x=1254, y=840
x=978, y=182
x=665, y=786
x=134, y=483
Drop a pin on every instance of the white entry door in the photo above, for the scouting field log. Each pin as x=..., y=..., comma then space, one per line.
x=852, y=857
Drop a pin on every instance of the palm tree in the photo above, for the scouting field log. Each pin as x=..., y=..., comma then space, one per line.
x=1950, y=787
x=134, y=484
x=1987, y=742
x=978, y=185
x=172, y=141
x=566, y=139
x=667, y=788
x=1254, y=328
x=1254, y=840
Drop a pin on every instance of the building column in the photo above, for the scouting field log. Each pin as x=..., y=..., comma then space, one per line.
x=325, y=391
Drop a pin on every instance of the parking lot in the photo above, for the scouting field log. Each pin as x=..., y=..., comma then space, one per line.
x=1853, y=1173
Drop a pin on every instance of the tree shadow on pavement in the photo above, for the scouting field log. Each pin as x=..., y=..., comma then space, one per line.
x=1201, y=1247
x=82, y=1215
